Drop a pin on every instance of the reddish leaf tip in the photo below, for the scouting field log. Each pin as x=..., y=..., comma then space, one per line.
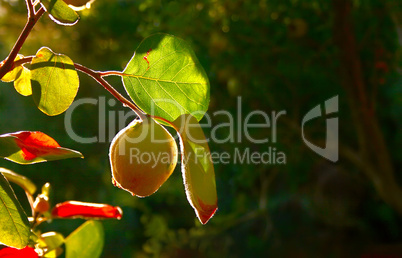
x=206, y=212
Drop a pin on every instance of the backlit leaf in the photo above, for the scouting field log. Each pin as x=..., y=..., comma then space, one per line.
x=60, y=12
x=51, y=240
x=22, y=181
x=27, y=147
x=54, y=81
x=21, y=77
x=165, y=78
x=12, y=75
x=23, y=82
x=197, y=168
x=14, y=225
x=74, y=209
x=86, y=241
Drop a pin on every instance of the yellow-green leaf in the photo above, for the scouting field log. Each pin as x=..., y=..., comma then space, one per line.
x=51, y=240
x=197, y=168
x=60, y=12
x=12, y=75
x=20, y=180
x=23, y=82
x=165, y=78
x=86, y=241
x=14, y=225
x=21, y=77
x=54, y=81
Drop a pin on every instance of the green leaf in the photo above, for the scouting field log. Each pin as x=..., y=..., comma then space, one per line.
x=59, y=12
x=46, y=190
x=21, y=77
x=54, y=81
x=51, y=240
x=197, y=168
x=33, y=147
x=14, y=225
x=164, y=78
x=23, y=82
x=22, y=181
x=12, y=75
x=85, y=241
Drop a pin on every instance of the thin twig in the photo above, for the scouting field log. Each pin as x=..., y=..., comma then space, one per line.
x=8, y=64
x=109, y=73
x=98, y=77
x=31, y=11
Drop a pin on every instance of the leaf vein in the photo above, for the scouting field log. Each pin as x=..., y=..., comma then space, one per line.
x=152, y=98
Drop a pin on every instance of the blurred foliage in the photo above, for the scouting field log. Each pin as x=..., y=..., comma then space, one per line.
x=273, y=56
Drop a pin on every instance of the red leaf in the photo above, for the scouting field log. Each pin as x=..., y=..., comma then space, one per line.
x=26, y=252
x=27, y=147
x=36, y=144
x=74, y=209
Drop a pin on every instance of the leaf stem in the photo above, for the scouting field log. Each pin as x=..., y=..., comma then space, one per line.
x=98, y=77
x=109, y=73
x=32, y=19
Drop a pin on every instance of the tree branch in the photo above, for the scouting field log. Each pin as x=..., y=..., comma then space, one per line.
x=31, y=11
x=98, y=77
x=8, y=63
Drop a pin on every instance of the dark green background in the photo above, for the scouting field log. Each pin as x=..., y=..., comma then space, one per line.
x=276, y=55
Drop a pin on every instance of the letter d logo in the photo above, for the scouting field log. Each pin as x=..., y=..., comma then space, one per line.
x=330, y=151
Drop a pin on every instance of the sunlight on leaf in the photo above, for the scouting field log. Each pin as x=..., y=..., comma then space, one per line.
x=165, y=78
x=50, y=240
x=197, y=168
x=23, y=82
x=14, y=225
x=27, y=147
x=54, y=81
x=86, y=241
x=21, y=77
x=20, y=180
x=13, y=74
x=60, y=12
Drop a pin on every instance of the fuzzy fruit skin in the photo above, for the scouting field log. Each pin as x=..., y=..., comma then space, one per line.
x=140, y=164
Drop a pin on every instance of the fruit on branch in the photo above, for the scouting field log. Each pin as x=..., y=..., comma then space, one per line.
x=142, y=157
